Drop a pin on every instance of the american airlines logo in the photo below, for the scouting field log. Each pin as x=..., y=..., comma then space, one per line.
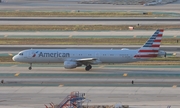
x=57, y=54
x=34, y=55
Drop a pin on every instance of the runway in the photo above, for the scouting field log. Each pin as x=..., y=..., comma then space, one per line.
x=102, y=75
x=73, y=5
x=127, y=19
x=90, y=22
x=87, y=21
x=154, y=86
x=88, y=34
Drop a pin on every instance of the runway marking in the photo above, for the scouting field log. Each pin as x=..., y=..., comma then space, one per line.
x=101, y=66
x=17, y=74
x=70, y=36
x=125, y=74
x=61, y=85
x=2, y=100
x=174, y=86
x=73, y=10
x=14, y=66
x=174, y=54
x=10, y=54
x=5, y=35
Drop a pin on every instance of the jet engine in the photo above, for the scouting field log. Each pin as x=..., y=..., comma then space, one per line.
x=70, y=64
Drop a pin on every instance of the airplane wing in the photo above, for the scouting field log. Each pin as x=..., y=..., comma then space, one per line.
x=86, y=60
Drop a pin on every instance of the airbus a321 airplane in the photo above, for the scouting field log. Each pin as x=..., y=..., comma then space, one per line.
x=73, y=58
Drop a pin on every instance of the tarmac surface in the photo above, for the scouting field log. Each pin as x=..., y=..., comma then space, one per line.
x=73, y=5
x=86, y=19
x=88, y=34
x=154, y=86
x=17, y=48
x=102, y=75
x=170, y=22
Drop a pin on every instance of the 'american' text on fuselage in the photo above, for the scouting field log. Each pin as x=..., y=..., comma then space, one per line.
x=57, y=54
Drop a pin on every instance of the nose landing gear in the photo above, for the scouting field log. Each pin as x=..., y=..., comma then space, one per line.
x=30, y=67
x=88, y=67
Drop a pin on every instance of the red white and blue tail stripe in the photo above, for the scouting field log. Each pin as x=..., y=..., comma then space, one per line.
x=151, y=48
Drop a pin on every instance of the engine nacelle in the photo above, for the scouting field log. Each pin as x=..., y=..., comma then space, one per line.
x=70, y=64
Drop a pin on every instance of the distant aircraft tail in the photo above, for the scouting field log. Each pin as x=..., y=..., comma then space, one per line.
x=151, y=48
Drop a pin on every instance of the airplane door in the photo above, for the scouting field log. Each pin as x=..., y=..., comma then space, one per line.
x=29, y=54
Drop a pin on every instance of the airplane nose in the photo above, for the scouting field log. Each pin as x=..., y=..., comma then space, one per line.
x=14, y=58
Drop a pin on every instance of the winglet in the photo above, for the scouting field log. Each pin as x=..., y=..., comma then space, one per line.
x=151, y=47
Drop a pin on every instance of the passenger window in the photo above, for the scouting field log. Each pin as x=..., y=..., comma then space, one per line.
x=21, y=54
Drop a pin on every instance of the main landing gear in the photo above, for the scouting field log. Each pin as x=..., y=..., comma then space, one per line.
x=30, y=67
x=88, y=67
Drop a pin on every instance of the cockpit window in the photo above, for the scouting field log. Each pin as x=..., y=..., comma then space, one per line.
x=21, y=54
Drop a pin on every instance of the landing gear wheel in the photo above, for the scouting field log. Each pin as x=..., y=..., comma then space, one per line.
x=30, y=68
x=88, y=67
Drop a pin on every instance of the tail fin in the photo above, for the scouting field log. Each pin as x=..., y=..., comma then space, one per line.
x=151, y=47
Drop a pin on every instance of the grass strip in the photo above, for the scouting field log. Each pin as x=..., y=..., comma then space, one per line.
x=83, y=27
x=6, y=59
x=82, y=41
x=79, y=14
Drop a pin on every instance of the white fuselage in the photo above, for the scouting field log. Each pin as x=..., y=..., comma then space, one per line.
x=61, y=55
x=73, y=58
